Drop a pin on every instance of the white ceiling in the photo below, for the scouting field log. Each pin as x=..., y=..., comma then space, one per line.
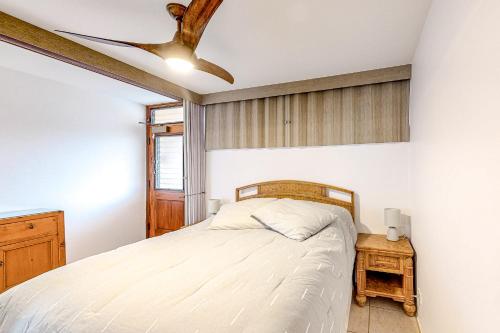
x=22, y=60
x=259, y=41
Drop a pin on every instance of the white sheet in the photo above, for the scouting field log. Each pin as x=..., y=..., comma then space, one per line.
x=196, y=280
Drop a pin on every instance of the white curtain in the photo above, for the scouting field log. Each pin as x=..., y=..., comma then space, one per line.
x=194, y=163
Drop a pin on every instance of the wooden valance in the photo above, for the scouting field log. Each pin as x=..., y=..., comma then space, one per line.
x=372, y=113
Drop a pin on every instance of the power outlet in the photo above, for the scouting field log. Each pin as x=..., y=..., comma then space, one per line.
x=420, y=297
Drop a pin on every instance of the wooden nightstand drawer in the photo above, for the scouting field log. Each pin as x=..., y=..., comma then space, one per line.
x=385, y=263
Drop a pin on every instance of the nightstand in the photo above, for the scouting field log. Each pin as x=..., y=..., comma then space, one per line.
x=385, y=269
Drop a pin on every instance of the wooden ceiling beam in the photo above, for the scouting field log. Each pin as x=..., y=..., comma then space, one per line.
x=31, y=37
x=397, y=73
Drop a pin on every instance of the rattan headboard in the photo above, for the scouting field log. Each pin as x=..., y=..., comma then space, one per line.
x=300, y=190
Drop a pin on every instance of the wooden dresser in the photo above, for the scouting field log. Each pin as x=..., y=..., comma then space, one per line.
x=31, y=243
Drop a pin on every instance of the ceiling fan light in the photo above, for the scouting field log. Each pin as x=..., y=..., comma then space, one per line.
x=179, y=64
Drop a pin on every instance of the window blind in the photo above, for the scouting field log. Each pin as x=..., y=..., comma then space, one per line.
x=169, y=166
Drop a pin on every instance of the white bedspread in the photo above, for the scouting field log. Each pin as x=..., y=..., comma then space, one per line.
x=196, y=280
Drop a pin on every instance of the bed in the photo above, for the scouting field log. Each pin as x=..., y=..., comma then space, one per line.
x=200, y=280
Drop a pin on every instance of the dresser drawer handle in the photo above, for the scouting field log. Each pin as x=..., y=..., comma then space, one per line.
x=31, y=226
x=1, y=263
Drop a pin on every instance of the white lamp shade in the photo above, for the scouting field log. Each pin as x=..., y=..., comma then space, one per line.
x=392, y=217
x=213, y=206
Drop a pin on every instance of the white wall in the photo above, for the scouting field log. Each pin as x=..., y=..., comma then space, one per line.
x=67, y=148
x=455, y=118
x=378, y=173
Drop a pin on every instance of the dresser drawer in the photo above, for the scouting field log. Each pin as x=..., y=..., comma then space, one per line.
x=385, y=263
x=28, y=229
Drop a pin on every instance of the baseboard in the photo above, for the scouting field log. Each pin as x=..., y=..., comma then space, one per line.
x=419, y=326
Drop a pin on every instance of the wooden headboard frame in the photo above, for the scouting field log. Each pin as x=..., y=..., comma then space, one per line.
x=299, y=190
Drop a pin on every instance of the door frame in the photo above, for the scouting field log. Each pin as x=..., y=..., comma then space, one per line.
x=150, y=167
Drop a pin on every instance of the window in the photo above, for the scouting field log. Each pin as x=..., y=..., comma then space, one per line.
x=168, y=115
x=169, y=166
x=169, y=150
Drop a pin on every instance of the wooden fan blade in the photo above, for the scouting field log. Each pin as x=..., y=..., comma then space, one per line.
x=196, y=19
x=103, y=40
x=206, y=66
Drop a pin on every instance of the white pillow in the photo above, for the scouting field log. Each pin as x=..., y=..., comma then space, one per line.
x=238, y=215
x=295, y=219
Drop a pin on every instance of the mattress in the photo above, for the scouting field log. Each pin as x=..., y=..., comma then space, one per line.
x=196, y=280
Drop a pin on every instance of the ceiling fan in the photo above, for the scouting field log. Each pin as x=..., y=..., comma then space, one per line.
x=180, y=52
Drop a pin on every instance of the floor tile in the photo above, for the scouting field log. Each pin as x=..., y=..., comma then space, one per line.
x=390, y=321
x=358, y=318
x=385, y=303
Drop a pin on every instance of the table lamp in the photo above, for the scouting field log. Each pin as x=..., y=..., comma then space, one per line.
x=392, y=219
x=213, y=206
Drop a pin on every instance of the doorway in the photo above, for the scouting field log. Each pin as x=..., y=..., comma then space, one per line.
x=165, y=168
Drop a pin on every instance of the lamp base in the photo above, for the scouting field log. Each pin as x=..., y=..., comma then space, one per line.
x=392, y=234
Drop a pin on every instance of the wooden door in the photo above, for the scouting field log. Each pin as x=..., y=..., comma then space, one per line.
x=24, y=260
x=169, y=211
x=165, y=200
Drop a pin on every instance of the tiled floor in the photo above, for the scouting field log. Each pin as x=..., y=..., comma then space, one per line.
x=380, y=315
